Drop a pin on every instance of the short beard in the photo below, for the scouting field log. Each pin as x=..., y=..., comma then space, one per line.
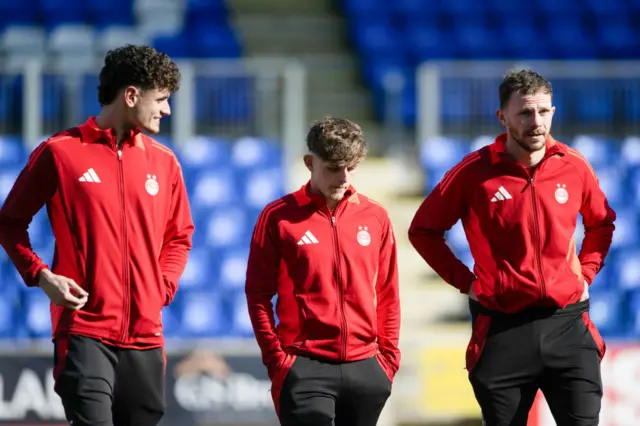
x=522, y=144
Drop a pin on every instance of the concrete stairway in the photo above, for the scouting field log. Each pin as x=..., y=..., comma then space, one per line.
x=313, y=32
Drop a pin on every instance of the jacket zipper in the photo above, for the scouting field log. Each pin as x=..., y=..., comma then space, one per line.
x=125, y=254
x=343, y=331
x=536, y=228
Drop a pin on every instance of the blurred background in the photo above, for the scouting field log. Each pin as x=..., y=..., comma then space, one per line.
x=420, y=76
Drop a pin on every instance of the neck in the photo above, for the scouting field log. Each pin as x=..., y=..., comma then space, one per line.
x=331, y=204
x=524, y=157
x=110, y=118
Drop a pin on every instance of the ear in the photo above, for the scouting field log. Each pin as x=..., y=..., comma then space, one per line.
x=131, y=96
x=500, y=116
x=308, y=161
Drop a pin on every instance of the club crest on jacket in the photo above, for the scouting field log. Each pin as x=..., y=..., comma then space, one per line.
x=363, y=237
x=151, y=185
x=562, y=196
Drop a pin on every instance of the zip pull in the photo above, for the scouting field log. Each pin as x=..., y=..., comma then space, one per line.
x=120, y=154
x=531, y=180
x=333, y=220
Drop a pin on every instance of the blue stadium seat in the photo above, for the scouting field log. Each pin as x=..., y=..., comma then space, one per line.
x=477, y=41
x=376, y=39
x=261, y=186
x=425, y=43
x=626, y=267
x=596, y=104
x=457, y=238
x=198, y=274
x=174, y=45
x=53, y=97
x=60, y=12
x=17, y=13
x=8, y=176
x=9, y=312
x=249, y=152
x=201, y=314
x=224, y=99
x=238, y=314
x=214, y=187
x=227, y=227
x=607, y=311
x=210, y=41
x=204, y=152
x=569, y=37
x=12, y=152
x=105, y=13
x=202, y=13
x=365, y=9
x=598, y=151
x=438, y=155
x=89, y=95
x=455, y=102
x=633, y=318
x=37, y=316
x=233, y=268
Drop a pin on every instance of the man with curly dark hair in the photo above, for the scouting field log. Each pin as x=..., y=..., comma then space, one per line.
x=120, y=215
x=329, y=254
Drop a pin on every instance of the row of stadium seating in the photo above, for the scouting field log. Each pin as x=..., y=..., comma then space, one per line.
x=615, y=293
x=393, y=38
x=217, y=99
x=228, y=182
x=224, y=99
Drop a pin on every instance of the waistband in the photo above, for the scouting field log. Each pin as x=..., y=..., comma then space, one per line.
x=531, y=313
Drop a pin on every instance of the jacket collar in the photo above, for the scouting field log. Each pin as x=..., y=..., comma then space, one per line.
x=305, y=196
x=91, y=133
x=498, y=148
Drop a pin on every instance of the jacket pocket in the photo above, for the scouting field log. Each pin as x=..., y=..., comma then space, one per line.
x=279, y=377
x=383, y=365
x=594, y=334
x=479, y=333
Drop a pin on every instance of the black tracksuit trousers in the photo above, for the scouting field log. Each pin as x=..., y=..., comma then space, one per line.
x=512, y=356
x=324, y=393
x=101, y=385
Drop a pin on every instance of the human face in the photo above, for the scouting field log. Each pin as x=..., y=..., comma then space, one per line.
x=329, y=179
x=527, y=119
x=147, y=107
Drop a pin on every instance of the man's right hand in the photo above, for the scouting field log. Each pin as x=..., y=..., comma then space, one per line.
x=472, y=294
x=62, y=291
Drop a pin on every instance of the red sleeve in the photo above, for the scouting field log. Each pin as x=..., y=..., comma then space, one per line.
x=598, y=218
x=388, y=300
x=442, y=208
x=177, y=238
x=261, y=286
x=35, y=186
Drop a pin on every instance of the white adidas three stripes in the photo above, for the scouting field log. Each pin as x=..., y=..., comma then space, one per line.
x=501, y=195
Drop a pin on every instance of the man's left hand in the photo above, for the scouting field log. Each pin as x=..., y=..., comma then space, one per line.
x=585, y=292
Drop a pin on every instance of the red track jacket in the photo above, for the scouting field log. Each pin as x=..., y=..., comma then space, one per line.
x=336, y=278
x=520, y=225
x=122, y=226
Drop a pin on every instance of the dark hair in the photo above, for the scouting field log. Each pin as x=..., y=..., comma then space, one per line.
x=337, y=140
x=525, y=82
x=139, y=66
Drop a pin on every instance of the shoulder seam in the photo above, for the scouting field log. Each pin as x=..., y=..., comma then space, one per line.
x=448, y=178
x=262, y=223
x=575, y=153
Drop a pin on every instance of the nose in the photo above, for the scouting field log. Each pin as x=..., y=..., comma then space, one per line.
x=166, y=110
x=537, y=119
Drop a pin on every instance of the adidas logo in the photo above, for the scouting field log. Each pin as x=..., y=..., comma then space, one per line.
x=308, y=238
x=90, y=176
x=502, y=194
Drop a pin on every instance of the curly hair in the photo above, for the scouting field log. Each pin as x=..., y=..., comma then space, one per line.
x=525, y=82
x=337, y=140
x=139, y=66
